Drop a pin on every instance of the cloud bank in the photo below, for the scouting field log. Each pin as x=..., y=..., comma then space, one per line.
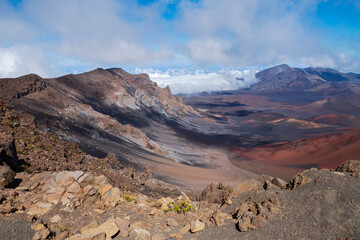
x=189, y=82
x=53, y=37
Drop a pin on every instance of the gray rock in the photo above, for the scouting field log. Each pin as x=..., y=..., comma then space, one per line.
x=278, y=182
x=268, y=185
x=140, y=234
x=91, y=196
x=244, y=224
x=6, y=176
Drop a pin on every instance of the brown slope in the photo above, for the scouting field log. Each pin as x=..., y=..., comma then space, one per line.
x=344, y=120
x=286, y=159
x=129, y=115
x=118, y=87
x=331, y=105
x=92, y=99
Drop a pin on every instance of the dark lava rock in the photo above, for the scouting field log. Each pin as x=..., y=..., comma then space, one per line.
x=8, y=153
x=6, y=176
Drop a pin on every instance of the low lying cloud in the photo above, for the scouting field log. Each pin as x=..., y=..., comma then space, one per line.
x=189, y=82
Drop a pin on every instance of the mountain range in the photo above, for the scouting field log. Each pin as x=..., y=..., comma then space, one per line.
x=112, y=111
x=110, y=155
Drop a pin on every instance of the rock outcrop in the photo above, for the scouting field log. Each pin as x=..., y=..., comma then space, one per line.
x=216, y=193
x=53, y=199
x=351, y=166
x=79, y=205
x=253, y=215
x=299, y=180
x=11, y=88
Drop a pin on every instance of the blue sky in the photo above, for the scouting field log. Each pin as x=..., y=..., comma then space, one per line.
x=52, y=37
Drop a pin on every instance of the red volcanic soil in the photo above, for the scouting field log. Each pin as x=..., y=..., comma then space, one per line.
x=286, y=159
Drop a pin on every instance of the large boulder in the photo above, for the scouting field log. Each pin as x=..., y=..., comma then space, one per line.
x=8, y=153
x=215, y=193
x=6, y=176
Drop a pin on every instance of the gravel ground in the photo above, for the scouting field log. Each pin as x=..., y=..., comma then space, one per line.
x=326, y=208
x=15, y=230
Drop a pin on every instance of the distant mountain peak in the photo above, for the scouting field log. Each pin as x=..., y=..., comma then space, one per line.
x=283, y=77
x=280, y=77
x=282, y=66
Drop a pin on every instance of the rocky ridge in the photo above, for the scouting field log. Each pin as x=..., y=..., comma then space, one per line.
x=68, y=97
x=111, y=106
x=21, y=86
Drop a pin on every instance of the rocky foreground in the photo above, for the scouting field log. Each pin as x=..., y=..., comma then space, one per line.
x=315, y=204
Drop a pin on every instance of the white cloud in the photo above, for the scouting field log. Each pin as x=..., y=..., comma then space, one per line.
x=340, y=62
x=21, y=60
x=318, y=61
x=209, y=51
x=249, y=33
x=63, y=36
x=7, y=62
x=104, y=32
x=187, y=82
